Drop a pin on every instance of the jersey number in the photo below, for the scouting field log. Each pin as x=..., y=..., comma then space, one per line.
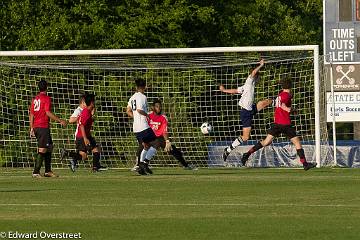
x=278, y=102
x=37, y=105
x=133, y=105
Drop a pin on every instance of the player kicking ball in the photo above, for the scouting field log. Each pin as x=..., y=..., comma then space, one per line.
x=159, y=124
x=137, y=109
x=40, y=114
x=248, y=108
x=282, y=124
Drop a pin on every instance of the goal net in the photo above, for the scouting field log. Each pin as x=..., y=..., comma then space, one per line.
x=187, y=82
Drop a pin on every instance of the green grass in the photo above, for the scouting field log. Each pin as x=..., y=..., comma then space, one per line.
x=177, y=204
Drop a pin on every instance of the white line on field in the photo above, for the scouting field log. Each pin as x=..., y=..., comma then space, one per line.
x=29, y=204
x=187, y=204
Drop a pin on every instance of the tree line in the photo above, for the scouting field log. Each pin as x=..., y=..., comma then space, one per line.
x=105, y=24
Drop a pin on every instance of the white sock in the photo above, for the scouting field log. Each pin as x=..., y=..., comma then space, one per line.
x=235, y=143
x=150, y=153
x=143, y=155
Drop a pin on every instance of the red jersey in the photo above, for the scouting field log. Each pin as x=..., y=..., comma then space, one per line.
x=85, y=120
x=39, y=106
x=281, y=116
x=158, y=123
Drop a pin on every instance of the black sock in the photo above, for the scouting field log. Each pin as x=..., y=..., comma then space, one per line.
x=38, y=162
x=300, y=152
x=75, y=156
x=179, y=156
x=48, y=162
x=256, y=147
x=96, y=160
x=138, y=154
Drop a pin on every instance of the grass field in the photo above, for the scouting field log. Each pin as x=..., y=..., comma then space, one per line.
x=179, y=204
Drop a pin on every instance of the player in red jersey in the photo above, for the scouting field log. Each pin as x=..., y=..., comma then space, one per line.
x=282, y=124
x=84, y=140
x=159, y=124
x=39, y=117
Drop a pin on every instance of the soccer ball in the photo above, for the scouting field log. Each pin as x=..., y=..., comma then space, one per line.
x=206, y=128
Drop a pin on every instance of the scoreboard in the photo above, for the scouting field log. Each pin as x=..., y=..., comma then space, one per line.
x=342, y=31
x=342, y=49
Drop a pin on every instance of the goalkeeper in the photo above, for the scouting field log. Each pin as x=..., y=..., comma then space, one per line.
x=248, y=108
x=159, y=124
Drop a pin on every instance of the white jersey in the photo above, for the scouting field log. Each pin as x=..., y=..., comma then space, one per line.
x=139, y=101
x=247, y=93
x=76, y=114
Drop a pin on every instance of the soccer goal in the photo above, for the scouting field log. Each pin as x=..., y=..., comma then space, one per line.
x=185, y=80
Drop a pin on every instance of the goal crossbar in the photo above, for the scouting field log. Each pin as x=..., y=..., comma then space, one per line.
x=157, y=51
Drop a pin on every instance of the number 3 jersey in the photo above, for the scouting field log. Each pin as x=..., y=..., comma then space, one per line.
x=138, y=101
x=39, y=106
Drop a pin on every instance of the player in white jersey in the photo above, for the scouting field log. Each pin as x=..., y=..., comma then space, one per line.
x=138, y=110
x=248, y=108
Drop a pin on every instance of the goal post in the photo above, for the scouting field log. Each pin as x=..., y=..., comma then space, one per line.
x=185, y=79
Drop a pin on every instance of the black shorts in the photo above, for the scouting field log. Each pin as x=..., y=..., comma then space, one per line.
x=158, y=142
x=145, y=136
x=277, y=129
x=246, y=116
x=80, y=144
x=43, y=137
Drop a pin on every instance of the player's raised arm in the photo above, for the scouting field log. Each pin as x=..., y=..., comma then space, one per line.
x=257, y=69
x=229, y=91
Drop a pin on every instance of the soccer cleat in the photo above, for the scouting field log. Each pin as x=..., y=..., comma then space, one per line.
x=147, y=169
x=309, y=166
x=99, y=169
x=135, y=168
x=244, y=158
x=141, y=170
x=225, y=154
x=50, y=174
x=63, y=154
x=102, y=168
x=73, y=165
x=191, y=167
x=36, y=175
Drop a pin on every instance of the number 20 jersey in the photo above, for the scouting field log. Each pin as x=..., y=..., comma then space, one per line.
x=39, y=106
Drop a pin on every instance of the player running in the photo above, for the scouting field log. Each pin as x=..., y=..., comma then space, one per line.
x=159, y=124
x=248, y=108
x=137, y=109
x=76, y=156
x=85, y=142
x=282, y=124
x=40, y=113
